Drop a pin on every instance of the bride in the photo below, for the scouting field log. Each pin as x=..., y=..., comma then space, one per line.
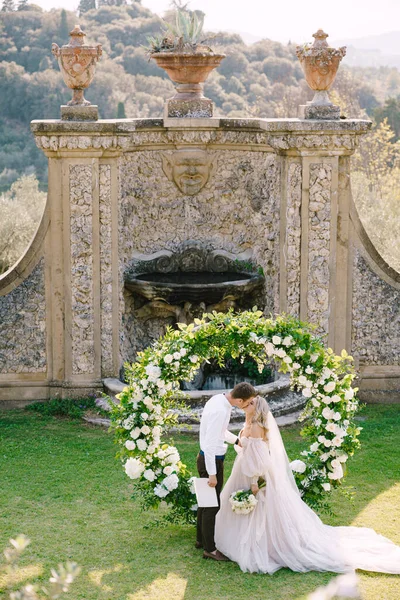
x=282, y=531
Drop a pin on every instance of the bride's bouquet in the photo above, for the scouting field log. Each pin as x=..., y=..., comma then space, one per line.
x=244, y=502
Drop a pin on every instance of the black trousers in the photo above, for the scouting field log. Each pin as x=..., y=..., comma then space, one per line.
x=206, y=516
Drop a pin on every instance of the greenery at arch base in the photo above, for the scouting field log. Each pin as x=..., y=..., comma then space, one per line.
x=153, y=388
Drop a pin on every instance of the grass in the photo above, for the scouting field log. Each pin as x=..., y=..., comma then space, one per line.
x=61, y=486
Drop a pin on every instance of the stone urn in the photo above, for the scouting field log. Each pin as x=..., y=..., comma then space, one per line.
x=188, y=71
x=320, y=64
x=77, y=62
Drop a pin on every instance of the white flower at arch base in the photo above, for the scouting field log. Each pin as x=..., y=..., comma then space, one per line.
x=144, y=411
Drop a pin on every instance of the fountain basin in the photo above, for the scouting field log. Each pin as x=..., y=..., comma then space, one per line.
x=190, y=286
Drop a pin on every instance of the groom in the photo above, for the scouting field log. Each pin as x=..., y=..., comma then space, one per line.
x=210, y=460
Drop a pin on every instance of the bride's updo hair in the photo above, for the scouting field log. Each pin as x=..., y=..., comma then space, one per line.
x=260, y=416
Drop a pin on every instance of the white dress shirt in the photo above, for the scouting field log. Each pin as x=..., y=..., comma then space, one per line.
x=213, y=430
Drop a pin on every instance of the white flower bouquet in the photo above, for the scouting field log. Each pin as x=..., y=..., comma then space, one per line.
x=243, y=502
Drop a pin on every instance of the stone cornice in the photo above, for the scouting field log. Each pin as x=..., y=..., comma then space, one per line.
x=110, y=137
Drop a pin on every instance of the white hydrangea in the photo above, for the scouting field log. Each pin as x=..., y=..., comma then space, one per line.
x=177, y=355
x=144, y=416
x=328, y=413
x=141, y=444
x=269, y=349
x=276, y=340
x=349, y=394
x=330, y=386
x=300, y=352
x=171, y=482
x=331, y=427
x=168, y=470
x=298, y=466
x=287, y=360
x=326, y=487
x=309, y=370
x=194, y=358
x=153, y=372
x=130, y=445
x=281, y=353
x=315, y=403
x=343, y=457
x=183, y=352
x=336, y=398
x=296, y=366
x=145, y=429
x=135, y=433
x=161, y=491
x=134, y=468
x=314, y=447
x=337, y=441
x=149, y=475
x=287, y=341
x=148, y=402
x=168, y=358
x=156, y=431
x=327, y=443
x=307, y=393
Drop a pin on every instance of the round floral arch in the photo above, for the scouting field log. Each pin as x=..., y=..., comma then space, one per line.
x=153, y=390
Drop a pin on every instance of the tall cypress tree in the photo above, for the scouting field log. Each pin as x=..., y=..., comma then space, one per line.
x=121, y=111
x=85, y=5
x=22, y=4
x=8, y=6
x=64, y=29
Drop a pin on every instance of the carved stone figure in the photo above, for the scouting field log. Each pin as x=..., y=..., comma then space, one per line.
x=189, y=169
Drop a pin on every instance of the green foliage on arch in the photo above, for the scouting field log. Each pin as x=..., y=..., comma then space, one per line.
x=153, y=388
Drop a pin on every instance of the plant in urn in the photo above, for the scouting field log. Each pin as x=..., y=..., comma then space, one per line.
x=77, y=62
x=181, y=51
x=320, y=64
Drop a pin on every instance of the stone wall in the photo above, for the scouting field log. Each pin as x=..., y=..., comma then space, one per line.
x=375, y=317
x=23, y=326
x=268, y=188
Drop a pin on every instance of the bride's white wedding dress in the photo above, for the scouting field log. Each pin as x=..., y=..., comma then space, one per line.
x=282, y=531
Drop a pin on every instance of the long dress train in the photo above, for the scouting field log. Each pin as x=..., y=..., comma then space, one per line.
x=282, y=530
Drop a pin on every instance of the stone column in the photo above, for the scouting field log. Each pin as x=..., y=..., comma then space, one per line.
x=316, y=262
x=82, y=302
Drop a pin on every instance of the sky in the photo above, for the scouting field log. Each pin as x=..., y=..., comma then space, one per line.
x=284, y=20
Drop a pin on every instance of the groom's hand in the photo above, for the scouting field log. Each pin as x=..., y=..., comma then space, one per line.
x=212, y=480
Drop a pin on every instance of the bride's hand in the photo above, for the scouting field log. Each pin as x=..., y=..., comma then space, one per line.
x=254, y=489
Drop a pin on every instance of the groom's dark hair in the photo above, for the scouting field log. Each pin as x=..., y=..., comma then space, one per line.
x=243, y=390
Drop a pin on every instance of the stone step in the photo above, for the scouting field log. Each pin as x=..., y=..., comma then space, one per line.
x=281, y=399
x=282, y=421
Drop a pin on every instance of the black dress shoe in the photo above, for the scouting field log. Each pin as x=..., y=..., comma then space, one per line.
x=198, y=545
x=217, y=556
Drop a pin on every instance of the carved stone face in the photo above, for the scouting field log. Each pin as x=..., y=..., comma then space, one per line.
x=189, y=169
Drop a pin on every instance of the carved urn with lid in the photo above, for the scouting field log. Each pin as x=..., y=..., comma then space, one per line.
x=77, y=62
x=320, y=64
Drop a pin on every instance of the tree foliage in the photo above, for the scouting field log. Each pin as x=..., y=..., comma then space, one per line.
x=21, y=210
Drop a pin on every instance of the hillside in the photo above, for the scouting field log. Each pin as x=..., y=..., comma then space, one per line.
x=262, y=79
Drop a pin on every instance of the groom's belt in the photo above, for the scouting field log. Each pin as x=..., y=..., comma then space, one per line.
x=220, y=456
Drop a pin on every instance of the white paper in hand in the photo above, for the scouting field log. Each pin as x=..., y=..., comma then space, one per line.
x=206, y=495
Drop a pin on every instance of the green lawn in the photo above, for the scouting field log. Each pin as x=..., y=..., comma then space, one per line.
x=61, y=486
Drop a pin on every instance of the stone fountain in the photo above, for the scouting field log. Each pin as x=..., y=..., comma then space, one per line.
x=192, y=280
